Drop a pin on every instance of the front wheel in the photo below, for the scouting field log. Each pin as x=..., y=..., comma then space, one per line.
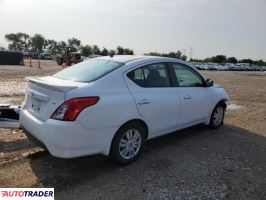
x=128, y=143
x=217, y=117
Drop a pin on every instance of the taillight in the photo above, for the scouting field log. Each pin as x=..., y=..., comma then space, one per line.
x=70, y=110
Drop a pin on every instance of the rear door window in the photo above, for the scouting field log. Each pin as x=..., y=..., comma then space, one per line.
x=154, y=75
x=137, y=77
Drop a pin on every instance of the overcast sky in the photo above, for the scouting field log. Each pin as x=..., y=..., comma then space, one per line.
x=211, y=27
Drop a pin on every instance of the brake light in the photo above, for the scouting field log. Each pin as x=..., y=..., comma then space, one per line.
x=70, y=109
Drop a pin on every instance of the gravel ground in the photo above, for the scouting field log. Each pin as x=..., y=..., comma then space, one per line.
x=12, y=79
x=196, y=163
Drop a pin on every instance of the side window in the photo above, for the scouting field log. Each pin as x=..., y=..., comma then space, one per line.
x=187, y=77
x=137, y=77
x=156, y=75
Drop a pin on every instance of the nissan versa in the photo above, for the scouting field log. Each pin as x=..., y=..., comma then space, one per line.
x=112, y=105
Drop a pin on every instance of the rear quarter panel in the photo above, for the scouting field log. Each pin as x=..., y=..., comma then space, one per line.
x=115, y=107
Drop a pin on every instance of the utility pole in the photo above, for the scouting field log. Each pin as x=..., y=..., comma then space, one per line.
x=190, y=52
x=184, y=51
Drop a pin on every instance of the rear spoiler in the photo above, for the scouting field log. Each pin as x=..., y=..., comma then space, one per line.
x=52, y=83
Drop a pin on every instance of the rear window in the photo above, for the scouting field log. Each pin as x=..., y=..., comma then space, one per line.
x=89, y=70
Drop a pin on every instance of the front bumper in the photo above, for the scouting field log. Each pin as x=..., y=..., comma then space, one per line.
x=67, y=139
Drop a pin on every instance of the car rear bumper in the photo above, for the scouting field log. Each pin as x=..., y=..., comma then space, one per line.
x=66, y=139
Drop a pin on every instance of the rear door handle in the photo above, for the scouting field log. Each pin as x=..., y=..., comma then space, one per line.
x=144, y=101
x=187, y=97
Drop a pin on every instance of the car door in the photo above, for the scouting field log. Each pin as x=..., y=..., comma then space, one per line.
x=157, y=101
x=195, y=98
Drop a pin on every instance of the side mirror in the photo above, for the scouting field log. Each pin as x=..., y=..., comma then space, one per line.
x=209, y=83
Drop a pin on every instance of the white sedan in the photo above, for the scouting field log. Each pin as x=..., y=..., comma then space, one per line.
x=112, y=105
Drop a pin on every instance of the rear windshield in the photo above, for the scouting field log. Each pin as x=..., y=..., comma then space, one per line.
x=89, y=70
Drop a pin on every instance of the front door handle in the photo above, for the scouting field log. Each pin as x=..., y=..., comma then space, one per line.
x=144, y=101
x=187, y=97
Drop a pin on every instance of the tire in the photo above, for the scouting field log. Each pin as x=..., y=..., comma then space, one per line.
x=217, y=117
x=59, y=60
x=128, y=143
x=68, y=61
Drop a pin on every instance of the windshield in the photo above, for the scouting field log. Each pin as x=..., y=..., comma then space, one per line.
x=89, y=70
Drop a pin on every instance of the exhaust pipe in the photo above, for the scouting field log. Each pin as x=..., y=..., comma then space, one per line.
x=9, y=116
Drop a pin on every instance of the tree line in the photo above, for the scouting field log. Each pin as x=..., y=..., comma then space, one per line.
x=223, y=59
x=177, y=55
x=38, y=43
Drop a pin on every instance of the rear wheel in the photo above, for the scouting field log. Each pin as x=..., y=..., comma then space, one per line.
x=217, y=117
x=128, y=143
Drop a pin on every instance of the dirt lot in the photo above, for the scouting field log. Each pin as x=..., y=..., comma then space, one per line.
x=196, y=163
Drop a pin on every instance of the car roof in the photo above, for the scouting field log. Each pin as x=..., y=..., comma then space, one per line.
x=130, y=58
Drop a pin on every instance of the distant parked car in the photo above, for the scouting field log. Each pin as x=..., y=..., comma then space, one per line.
x=34, y=55
x=224, y=68
x=3, y=49
x=46, y=56
x=112, y=105
x=26, y=54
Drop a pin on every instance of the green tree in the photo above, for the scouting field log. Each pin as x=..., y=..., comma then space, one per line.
x=86, y=50
x=104, y=52
x=220, y=59
x=153, y=54
x=195, y=60
x=128, y=51
x=111, y=52
x=178, y=54
x=13, y=42
x=120, y=50
x=45, y=44
x=96, y=50
x=18, y=41
x=260, y=63
x=184, y=57
x=38, y=42
x=216, y=59
x=74, y=42
x=232, y=60
x=250, y=61
x=61, y=47
x=26, y=42
x=51, y=46
x=172, y=55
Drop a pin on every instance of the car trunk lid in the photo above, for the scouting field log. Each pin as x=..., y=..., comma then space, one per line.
x=45, y=94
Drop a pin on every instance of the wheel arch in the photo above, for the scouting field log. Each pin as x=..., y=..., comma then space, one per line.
x=136, y=120
x=221, y=102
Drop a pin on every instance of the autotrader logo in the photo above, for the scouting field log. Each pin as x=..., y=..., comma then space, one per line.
x=27, y=193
